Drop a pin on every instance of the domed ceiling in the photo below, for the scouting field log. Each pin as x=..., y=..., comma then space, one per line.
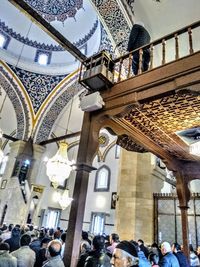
x=76, y=20
x=56, y=9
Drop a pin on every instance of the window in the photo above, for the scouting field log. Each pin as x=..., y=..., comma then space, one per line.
x=102, y=180
x=53, y=217
x=3, y=165
x=43, y=57
x=4, y=40
x=117, y=151
x=97, y=223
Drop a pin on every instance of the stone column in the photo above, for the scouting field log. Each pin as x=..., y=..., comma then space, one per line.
x=136, y=184
x=12, y=195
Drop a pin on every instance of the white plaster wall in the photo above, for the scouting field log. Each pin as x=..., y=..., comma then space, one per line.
x=94, y=202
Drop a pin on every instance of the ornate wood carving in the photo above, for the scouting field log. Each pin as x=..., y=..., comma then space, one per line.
x=129, y=144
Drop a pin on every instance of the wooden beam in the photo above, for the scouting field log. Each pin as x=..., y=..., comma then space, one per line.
x=142, y=140
x=50, y=30
x=59, y=138
x=11, y=138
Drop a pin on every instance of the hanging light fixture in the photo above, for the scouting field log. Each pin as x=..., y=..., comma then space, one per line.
x=59, y=166
x=65, y=200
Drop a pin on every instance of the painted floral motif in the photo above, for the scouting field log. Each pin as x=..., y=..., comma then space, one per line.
x=11, y=33
x=56, y=9
x=38, y=86
x=15, y=96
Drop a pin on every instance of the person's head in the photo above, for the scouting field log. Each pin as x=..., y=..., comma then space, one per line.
x=176, y=247
x=98, y=242
x=15, y=232
x=124, y=255
x=57, y=234
x=63, y=237
x=25, y=240
x=153, y=258
x=191, y=248
x=84, y=235
x=54, y=248
x=114, y=238
x=4, y=227
x=198, y=250
x=45, y=241
x=140, y=242
x=10, y=227
x=31, y=227
x=51, y=232
x=154, y=245
x=4, y=246
x=41, y=234
x=165, y=248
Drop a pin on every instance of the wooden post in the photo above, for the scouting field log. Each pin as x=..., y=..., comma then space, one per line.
x=140, y=67
x=183, y=193
x=163, y=51
x=87, y=148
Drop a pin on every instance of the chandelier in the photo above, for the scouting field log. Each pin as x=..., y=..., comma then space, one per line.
x=65, y=200
x=59, y=166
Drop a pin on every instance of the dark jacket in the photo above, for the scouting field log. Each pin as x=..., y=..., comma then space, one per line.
x=139, y=36
x=169, y=260
x=97, y=259
x=14, y=240
x=182, y=259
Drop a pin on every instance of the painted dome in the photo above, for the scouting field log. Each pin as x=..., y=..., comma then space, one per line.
x=26, y=41
x=56, y=9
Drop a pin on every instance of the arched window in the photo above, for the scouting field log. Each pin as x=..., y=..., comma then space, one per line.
x=102, y=180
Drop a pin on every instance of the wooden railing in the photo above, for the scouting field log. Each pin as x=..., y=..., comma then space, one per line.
x=162, y=51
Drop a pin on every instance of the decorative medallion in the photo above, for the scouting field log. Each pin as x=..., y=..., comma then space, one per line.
x=56, y=9
x=103, y=139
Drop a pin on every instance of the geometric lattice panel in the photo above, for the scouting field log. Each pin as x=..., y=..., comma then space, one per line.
x=179, y=229
x=198, y=232
x=160, y=119
x=169, y=225
x=166, y=228
x=166, y=206
x=197, y=206
x=192, y=232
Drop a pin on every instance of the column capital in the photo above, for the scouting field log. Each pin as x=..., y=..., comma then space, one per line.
x=84, y=167
x=183, y=207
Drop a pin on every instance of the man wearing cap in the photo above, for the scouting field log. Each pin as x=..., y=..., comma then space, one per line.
x=168, y=259
x=125, y=255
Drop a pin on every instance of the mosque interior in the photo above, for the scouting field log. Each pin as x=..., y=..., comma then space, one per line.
x=124, y=158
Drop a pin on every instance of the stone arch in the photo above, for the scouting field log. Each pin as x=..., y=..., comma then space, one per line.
x=54, y=107
x=18, y=101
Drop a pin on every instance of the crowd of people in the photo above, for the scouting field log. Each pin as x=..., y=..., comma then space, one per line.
x=26, y=246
